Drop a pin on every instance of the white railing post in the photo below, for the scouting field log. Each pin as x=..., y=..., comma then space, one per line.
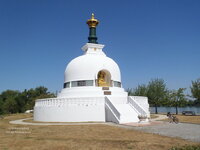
x=137, y=106
x=112, y=107
x=69, y=101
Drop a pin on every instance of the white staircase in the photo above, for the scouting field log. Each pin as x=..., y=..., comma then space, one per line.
x=140, y=105
x=118, y=110
x=127, y=113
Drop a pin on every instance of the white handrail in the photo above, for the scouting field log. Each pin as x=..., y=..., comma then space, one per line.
x=112, y=107
x=137, y=107
x=68, y=101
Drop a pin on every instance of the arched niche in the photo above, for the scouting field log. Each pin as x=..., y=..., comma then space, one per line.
x=104, y=78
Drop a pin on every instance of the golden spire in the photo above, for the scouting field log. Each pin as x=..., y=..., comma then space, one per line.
x=92, y=16
x=92, y=23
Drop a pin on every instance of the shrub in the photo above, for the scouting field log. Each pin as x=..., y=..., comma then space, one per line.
x=188, y=147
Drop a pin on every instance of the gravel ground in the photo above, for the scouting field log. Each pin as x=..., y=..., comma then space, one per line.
x=182, y=130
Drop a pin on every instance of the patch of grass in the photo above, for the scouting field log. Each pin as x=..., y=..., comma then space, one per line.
x=153, y=116
x=187, y=119
x=84, y=137
x=188, y=147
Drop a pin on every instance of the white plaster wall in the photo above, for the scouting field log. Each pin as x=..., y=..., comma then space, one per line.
x=120, y=92
x=91, y=48
x=81, y=92
x=84, y=109
x=70, y=109
x=110, y=117
x=143, y=102
x=90, y=91
x=118, y=99
x=70, y=113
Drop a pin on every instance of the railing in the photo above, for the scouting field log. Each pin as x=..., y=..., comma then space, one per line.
x=137, y=106
x=118, y=100
x=69, y=101
x=112, y=107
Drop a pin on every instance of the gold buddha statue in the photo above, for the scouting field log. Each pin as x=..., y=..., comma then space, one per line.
x=101, y=79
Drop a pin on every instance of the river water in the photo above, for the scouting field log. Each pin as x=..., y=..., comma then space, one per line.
x=173, y=109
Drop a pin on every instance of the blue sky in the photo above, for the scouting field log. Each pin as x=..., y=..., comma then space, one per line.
x=148, y=39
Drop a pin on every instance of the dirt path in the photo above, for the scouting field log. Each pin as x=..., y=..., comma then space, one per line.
x=159, y=117
x=21, y=121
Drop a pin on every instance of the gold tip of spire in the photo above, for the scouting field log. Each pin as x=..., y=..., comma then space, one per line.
x=92, y=22
x=92, y=16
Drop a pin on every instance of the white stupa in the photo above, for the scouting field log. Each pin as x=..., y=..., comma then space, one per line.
x=92, y=91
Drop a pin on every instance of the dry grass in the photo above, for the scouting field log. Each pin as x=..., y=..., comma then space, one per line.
x=188, y=119
x=85, y=137
x=153, y=116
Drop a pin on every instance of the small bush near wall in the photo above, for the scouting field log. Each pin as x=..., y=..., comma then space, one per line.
x=189, y=147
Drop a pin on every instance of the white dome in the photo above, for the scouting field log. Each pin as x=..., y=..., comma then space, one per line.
x=86, y=67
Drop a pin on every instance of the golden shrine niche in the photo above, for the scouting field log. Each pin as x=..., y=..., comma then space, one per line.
x=103, y=79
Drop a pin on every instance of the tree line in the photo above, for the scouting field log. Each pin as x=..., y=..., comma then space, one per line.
x=159, y=95
x=12, y=101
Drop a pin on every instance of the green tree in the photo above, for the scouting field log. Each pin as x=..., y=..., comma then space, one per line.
x=141, y=90
x=195, y=90
x=178, y=98
x=1, y=107
x=157, y=92
x=21, y=101
x=166, y=100
x=37, y=93
x=8, y=101
x=10, y=106
x=129, y=91
x=15, y=101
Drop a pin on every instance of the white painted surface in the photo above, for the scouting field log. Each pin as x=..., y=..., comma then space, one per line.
x=28, y=111
x=118, y=110
x=91, y=48
x=112, y=114
x=83, y=109
x=70, y=109
x=90, y=91
x=127, y=113
x=88, y=103
x=87, y=66
x=142, y=103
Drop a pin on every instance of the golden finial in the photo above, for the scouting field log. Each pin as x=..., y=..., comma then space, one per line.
x=92, y=23
x=92, y=16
